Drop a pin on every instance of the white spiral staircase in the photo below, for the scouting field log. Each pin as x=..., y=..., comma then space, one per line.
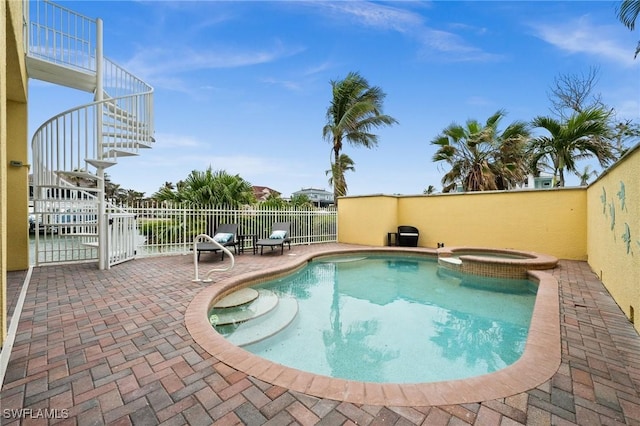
x=72, y=150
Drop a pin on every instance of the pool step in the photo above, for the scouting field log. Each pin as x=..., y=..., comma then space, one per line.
x=238, y=298
x=264, y=302
x=255, y=330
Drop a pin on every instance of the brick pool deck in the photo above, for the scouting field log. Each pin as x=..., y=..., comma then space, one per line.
x=112, y=347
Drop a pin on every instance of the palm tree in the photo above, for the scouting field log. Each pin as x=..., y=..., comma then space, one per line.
x=429, y=190
x=355, y=110
x=301, y=201
x=132, y=196
x=344, y=164
x=114, y=191
x=628, y=13
x=510, y=163
x=274, y=201
x=481, y=158
x=586, y=174
x=209, y=188
x=583, y=135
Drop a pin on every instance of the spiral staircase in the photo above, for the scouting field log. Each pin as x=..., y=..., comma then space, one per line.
x=71, y=151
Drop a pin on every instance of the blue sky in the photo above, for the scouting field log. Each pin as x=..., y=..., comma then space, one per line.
x=244, y=86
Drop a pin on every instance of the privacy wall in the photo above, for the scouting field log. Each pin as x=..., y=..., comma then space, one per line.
x=546, y=221
x=613, y=231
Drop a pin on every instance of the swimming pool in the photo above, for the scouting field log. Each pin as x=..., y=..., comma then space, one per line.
x=385, y=319
x=540, y=360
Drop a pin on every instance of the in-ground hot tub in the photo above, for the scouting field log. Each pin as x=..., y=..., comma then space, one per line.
x=489, y=262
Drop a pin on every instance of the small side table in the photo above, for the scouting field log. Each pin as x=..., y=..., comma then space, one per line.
x=392, y=237
x=242, y=238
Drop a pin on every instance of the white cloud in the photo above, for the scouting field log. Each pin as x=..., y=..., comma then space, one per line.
x=584, y=36
x=287, y=84
x=375, y=15
x=177, y=141
x=163, y=65
x=436, y=43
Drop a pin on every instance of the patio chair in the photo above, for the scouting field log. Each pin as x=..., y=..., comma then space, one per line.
x=226, y=235
x=280, y=235
x=408, y=236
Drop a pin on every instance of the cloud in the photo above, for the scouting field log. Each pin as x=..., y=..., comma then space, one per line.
x=287, y=84
x=159, y=61
x=435, y=43
x=165, y=66
x=374, y=15
x=318, y=69
x=581, y=35
x=177, y=141
x=446, y=46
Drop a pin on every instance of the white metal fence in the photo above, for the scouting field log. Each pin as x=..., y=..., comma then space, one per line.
x=171, y=229
x=166, y=230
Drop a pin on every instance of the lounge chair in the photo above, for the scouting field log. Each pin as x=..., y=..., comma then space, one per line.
x=408, y=236
x=226, y=235
x=280, y=235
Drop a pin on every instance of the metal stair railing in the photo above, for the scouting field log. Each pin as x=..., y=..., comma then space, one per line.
x=72, y=149
x=60, y=35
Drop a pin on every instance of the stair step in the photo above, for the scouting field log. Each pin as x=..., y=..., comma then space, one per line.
x=84, y=175
x=122, y=125
x=119, y=153
x=265, y=302
x=237, y=298
x=130, y=135
x=123, y=145
x=259, y=329
x=100, y=164
x=115, y=111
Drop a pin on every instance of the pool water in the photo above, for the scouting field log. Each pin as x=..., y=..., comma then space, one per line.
x=397, y=319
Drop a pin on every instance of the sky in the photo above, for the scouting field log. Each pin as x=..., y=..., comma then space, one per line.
x=244, y=86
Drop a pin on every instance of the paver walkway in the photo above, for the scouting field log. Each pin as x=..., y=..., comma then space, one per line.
x=111, y=347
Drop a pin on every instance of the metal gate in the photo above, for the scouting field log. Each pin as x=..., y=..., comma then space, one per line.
x=122, y=237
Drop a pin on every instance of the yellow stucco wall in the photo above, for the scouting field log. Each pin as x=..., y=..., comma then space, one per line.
x=13, y=147
x=546, y=221
x=17, y=187
x=366, y=220
x=613, y=239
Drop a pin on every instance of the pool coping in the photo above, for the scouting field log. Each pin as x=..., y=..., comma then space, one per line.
x=540, y=360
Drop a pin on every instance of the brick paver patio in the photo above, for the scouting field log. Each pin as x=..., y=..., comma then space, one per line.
x=111, y=347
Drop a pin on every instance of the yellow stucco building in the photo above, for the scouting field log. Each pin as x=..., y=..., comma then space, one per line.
x=14, y=168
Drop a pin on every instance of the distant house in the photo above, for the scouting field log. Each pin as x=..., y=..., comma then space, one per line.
x=532, y=182
x=544, y=181
x=262, y=193
x=319, y=197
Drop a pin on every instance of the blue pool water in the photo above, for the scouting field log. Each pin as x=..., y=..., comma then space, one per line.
x=392, y=319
